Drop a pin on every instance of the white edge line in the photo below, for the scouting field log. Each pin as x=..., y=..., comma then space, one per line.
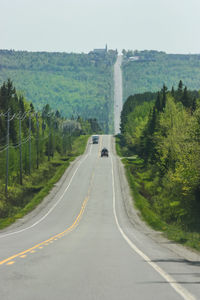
x=175, y=285
x=53, y=207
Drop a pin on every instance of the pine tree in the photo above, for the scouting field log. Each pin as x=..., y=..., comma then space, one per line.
x=57, y=114
x=32, y=107
x=180, y=91
x=180, y=86
x=164, y=97
x=185, y=98
x=21, y=104
x=158, y=103
x=172, y=92
x=194, y=104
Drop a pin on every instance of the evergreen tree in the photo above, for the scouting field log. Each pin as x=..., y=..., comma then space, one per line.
x=21, y=104
x=158, y=103
x=179, y=92
x=185, y=98
x=180, y=86
x=32, y=107
x=172, y=92
x=194, y=105
x=164, y=97
x=57, y=114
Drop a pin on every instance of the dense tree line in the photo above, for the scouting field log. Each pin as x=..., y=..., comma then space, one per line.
x=165, y=133
x=150, y=69
x=132, y=102
x=76, y=84
x=28, y=138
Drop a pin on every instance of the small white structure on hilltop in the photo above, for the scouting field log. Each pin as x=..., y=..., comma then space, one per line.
x=134, y=58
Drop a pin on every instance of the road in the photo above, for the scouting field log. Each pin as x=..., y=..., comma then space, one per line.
x=117, y=94
x=81, y=244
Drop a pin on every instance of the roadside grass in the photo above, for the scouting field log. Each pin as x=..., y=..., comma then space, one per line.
x=141, y=202
x=136, y=182
x=79, y=145
x=39, y=184
x=117, y=146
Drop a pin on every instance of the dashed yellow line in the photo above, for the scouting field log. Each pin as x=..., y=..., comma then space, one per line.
x=23, y=254
x=10, y=263
x=100, y=146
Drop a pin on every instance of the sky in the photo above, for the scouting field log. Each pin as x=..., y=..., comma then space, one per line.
x=82, y=25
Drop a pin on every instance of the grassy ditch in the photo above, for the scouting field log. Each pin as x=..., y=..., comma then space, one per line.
x=23, y=199
x=140, y=185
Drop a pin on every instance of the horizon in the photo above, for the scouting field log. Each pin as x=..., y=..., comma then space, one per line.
x=77, y=26
x=82, y=52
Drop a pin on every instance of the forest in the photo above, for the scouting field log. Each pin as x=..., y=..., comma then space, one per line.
x=33, y=146
x=161, y=140
x=75, y=84
x=147, y=71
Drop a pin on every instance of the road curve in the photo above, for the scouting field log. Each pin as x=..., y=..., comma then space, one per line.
x=82, y=245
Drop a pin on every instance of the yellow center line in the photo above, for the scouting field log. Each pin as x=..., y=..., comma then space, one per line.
x=100, y=146
x=10, y=263
x=59, y=235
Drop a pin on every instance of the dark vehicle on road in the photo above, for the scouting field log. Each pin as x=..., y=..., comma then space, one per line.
x=95, y=139
x=104, y=152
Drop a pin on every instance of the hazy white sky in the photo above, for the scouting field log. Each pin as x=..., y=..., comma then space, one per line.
x=81, y=25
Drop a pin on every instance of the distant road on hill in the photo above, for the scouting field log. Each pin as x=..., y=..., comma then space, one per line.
x=117, y=93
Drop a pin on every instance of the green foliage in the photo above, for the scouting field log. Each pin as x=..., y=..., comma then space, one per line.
x=138, y=178
x=168, y=140
x=140, y=201
x=74, y=84
x=43, y=138
x=132, y=102
x=134, y=118
x=36, y=186
x=154, y=68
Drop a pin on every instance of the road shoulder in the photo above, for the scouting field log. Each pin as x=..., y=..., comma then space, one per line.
x=135, y=218
x=48, y=200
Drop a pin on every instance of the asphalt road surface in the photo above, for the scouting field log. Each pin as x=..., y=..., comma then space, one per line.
x=117, y=93
x=81, y=244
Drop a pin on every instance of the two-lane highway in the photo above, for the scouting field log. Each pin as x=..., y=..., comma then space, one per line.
x=118, y=91
x=81, y=245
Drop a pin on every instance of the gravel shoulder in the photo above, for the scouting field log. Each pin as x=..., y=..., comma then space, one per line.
x=48, y=200
x=135, y=219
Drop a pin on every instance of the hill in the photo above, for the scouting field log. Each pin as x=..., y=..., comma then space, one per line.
x=74, y=84
x=148, y=70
